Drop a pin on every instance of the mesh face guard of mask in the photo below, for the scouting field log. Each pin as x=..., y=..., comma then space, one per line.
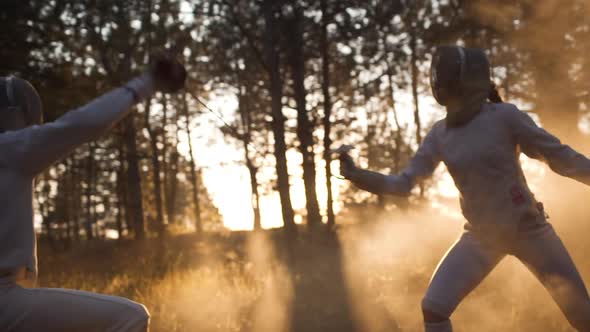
x=446, y=72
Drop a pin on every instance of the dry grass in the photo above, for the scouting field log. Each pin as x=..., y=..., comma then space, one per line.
x=369, y=277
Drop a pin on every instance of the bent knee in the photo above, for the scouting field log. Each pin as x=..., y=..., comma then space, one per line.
x=142, y=316
x=434, y=311
x=135, y=319
x=142, y=312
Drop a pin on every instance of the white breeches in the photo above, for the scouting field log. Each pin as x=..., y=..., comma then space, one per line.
x=469, y=261
x=49, y=310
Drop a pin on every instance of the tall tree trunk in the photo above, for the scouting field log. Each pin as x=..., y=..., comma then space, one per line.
x=119, y=205
x=253, y=187
x=172, y=182
x=157, y=181
x=278, y=119
x=371, y=138
x=95, y=194
x=414, y=65
x=123, y=198
x=401, y=201
x=135, y=203
x=255, y=194
x=172, y=188
x=77, y=196
x=304, y=125
x=327, y=112
x=246, y=138
x=89, y=182
x=164, y=153
x=193, y=168
x=398, y=133
x=68, y=201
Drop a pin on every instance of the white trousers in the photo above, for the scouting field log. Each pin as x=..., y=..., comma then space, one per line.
x=469, y=261
x=53, y=310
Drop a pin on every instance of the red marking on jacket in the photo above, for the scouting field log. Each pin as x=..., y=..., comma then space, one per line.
x=518, y=197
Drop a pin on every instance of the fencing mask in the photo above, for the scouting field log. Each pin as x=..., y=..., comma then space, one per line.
x=20, y=104
x=446, y=69
x=461, y=76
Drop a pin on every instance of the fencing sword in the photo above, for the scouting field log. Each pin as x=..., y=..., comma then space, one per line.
x=342, y=150
x=219, y=116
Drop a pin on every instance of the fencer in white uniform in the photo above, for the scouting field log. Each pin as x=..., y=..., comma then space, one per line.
x=27, y=148
x=480, y=141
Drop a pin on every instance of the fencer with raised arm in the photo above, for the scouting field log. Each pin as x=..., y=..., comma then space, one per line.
x=27, y=148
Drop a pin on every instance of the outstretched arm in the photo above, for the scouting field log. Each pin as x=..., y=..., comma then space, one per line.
x=32, y=149
x=539, y=144
x=421, y=166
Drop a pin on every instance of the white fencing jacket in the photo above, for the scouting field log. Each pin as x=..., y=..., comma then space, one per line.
x=483, y=159
x=27, y=152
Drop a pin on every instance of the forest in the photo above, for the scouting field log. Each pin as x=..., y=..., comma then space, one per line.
x=222, y=207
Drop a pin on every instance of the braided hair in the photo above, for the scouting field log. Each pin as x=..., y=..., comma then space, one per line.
x=494, y=96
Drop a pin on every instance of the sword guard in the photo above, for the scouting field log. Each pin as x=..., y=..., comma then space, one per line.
x=343, y=149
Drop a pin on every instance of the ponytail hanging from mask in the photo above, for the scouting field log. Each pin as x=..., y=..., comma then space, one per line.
x=494, y=96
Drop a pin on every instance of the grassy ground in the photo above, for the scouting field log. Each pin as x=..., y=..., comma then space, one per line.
x=367, y=277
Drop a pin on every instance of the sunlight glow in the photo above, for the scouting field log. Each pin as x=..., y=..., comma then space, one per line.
x=227, y=180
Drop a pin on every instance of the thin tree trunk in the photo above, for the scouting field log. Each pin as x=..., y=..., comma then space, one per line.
x=95, y=195
x=122, y=200
x=401, y=201
x=171, y=189
x=89, y=182
x=254, y=187
x=68, y=201
x=414, y=65
x=246, y=139
x=76, y=203
x=153, y=136
x=255, y=194
x=120, y=190
x=119, y=205
x=304, y=125
x=157, y=181
x=327, y=112
x=278, y=119
x=193, y=168
x=135, y=203
x=398, y=133
x=164, y=154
